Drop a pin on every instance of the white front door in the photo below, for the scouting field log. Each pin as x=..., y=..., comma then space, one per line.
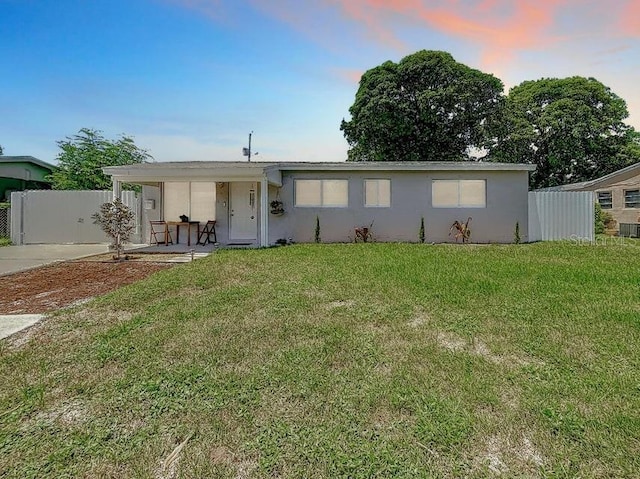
x=243, y=211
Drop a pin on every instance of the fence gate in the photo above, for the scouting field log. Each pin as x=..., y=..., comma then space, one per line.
x=561, y=215
x=57, y=217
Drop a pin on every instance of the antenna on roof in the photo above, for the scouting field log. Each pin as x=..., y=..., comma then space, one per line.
x=247, y=151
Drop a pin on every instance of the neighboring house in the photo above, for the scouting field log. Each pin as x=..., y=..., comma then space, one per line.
x=618, y=193
x=392, y=196
x=18, y=173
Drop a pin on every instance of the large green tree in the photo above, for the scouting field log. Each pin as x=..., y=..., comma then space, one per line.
x=83, y=155
x=427, y=107
x=572, y=129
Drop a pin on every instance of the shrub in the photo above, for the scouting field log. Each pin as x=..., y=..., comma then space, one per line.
x=117, y=221
x=602, y=219
x=317, y=235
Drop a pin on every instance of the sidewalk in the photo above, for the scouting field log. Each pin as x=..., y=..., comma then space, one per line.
x=12, y=323
x=21, y=258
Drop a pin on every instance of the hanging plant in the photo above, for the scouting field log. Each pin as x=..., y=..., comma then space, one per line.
x=277, y=207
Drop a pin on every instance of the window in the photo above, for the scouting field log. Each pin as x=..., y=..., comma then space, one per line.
x=458, y=193
x=197, y=200
x=632, y=198
x=322, y=193
x=377, y=193
x=175, y=200
x=605, y=200
x=203, y=201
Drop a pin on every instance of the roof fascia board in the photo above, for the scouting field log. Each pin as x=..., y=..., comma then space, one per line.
x=273, y=170
x=425, y=166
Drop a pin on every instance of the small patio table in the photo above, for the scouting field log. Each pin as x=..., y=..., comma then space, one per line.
x=188, y=224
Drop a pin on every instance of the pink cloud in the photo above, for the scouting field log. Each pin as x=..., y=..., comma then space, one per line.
x=351, y=76
x=500, y=27
x=630, y=18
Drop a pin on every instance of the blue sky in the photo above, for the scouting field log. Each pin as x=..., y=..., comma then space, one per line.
x=189, y=79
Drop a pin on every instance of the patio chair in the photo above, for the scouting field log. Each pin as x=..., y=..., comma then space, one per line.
x=205, y=235
x=160, y=229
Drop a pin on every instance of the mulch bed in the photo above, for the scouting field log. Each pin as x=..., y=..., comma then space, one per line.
x=55, y=286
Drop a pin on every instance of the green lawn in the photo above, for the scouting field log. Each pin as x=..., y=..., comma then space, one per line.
x=323, y=361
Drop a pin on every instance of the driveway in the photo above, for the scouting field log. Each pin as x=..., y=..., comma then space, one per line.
x=20, y=258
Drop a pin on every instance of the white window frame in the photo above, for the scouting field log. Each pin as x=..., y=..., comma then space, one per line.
x=323, y=185
x=368, y=203
x=459, y=203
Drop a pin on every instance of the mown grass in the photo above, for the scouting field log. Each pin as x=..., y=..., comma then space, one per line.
x=319, y=361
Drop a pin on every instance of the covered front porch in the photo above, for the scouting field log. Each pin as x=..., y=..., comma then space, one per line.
x=181, y=198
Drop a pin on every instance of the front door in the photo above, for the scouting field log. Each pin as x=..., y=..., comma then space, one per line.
x=243, y=211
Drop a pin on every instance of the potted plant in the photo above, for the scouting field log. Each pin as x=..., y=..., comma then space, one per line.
x=277, y=208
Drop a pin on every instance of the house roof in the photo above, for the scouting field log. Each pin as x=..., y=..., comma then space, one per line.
x=26, y=159
x=154, y=173
x=606, y=180
x=315, y=166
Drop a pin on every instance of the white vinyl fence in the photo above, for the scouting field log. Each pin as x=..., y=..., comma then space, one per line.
x=561, y=215
x=59, y=217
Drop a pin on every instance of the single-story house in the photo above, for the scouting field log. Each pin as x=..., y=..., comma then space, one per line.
x=18, y=173
x=618, y=193
x=391, y=197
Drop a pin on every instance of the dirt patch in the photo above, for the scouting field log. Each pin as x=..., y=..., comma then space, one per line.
x=502, y=455
x=55, y=286
x=455, y=343
x=341, y=304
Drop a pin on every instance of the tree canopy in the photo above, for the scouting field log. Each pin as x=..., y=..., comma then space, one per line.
x=82, y=157
x=427, y=107
x=572, y=129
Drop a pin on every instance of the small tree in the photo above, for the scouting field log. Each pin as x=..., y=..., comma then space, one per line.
x=516, y=234
x=421, y=236
x=117, y=221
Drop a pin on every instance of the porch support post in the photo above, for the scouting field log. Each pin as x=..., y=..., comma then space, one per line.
x=264, y=211
x=117, y=189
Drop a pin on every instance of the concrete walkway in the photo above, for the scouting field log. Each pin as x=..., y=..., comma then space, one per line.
x=12, y=323
x=21, y=258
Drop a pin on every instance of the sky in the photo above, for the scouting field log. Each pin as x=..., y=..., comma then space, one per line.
x=188, y=80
